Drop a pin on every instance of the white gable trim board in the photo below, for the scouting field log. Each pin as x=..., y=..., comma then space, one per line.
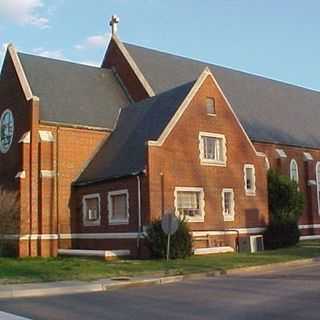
x=174, y=120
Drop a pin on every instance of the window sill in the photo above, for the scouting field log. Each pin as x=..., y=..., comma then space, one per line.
x=250, y=193
x=211, y=114
x=200, y=219
x=118, y=222
x=92, y=223
x=213, y=163
x=228, y=218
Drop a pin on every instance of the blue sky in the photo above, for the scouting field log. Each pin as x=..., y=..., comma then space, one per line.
x=275, y=38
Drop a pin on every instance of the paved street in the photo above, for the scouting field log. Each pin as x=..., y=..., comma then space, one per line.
x=293, y=294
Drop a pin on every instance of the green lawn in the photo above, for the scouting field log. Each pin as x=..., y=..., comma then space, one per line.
x=54, y=269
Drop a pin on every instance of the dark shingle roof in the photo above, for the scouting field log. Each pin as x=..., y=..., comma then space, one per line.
x=74, y=93
x=123, y=153
x=269, y=110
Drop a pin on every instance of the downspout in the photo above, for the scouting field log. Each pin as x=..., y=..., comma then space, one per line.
x=57, y=183
x=139, y=212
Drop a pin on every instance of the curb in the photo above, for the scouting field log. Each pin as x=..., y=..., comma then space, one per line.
x=64, y=288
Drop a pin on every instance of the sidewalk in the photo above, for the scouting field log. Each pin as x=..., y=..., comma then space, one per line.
x=74, y=287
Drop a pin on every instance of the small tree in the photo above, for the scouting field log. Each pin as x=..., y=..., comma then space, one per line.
x=180, y=244
x=9, y=215
x=286, y=205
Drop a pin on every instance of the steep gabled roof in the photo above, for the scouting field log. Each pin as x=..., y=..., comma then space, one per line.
x=74, y=93
x=123, y=154
x=269, y=110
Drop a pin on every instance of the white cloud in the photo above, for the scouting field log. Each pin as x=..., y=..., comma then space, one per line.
x=54, y=54
x=96, y=41
x=24, y=12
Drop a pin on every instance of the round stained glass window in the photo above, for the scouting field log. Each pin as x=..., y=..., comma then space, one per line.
x=6, y=130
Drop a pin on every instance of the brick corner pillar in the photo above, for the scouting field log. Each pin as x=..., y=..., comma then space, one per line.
x=311, y=187
x=34, y=177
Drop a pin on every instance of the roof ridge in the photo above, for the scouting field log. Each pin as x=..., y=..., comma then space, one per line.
x=246, y=73
x=61, y=61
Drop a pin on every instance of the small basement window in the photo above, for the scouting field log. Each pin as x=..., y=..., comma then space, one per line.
x=189, y=203
x=211, y=106
x=249, y=179
x=118, y=205
x=91, y=209
x=212, y=149
x=228, y=204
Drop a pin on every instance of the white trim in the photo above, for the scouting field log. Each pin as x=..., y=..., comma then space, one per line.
x=281, y=154
x=25, y=138
x=97, y=236
x=228, y=232
x=249, y=192
x=46, y=136
x=47, y=173
x=293, y=162
x=318, y=184
x=21, y=175
x=228, y=217
x=94, y=253
x=312, y=182
x=69, y=236
x=209, y=162
x=314, y=237
x=309, y=226
x=113, y=221
x=205, y=73
x=134, y=66
x=85, y=221
x=20, y=72
x=212, y=250
x=307, y=156
x=30, y=237
x=201, y=203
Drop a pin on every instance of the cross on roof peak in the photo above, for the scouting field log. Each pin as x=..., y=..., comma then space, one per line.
x=114, y=24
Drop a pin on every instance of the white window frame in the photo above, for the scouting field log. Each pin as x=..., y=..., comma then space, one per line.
x=318, y=182
x=210, y=162
x=249, y=192
x=201, y=204
x=294, y=162
x=85, y=221
x=113, y=221
x=228, y=217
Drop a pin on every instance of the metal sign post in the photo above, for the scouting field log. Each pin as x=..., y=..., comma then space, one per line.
x=169, y=225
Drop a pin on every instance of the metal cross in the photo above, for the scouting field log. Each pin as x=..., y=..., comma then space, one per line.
x=113, y=24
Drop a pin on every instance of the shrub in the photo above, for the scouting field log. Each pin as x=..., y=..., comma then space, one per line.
x=286, y=204
x=180, y=242
x=281, y=235
x=9, y=210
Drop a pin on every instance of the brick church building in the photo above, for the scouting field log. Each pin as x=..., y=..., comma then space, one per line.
x=97, y=153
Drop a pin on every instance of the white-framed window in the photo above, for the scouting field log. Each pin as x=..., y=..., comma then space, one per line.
x=294, y=173
x=211, y=106
x=189, y=202
x=118, y=207
x=91, y=210
x=318, y=184
x=212, y=149
x=249, y=179
x=228, y=204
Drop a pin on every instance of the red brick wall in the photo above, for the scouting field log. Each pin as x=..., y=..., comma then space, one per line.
x=178, y=160
x=306, y=169
x=114, y=58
